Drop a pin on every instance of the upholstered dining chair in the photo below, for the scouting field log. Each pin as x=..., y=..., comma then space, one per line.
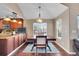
x=40, y=43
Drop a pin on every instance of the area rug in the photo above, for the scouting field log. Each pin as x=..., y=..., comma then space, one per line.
x=52, y=47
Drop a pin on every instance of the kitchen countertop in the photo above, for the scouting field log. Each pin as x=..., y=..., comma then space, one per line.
x=6, y=36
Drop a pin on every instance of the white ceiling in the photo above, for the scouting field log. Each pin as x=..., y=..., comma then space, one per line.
x=31, y=11
x=7, y=9
x=47, y=11
x=3, y=10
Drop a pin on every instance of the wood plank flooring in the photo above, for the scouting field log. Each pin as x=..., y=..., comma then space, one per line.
x=61, y=53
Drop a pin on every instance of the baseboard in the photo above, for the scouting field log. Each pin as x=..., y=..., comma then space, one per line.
x=65, y=49
x=12, y=53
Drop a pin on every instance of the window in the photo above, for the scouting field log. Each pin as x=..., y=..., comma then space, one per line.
x=39, y=29
x=59, y=28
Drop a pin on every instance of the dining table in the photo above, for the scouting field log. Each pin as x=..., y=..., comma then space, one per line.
x=32, y=39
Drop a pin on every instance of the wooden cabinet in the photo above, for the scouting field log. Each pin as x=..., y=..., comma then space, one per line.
x=6, y=46
x=9, y=44
x=1, y=24
x=17, y=24
x=11, y=23
x=3, y=43
x=20, y=39
x=16, y=41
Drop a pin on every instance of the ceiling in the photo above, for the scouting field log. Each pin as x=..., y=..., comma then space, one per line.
x=47, y=11
x=3, y=10
x=31, y=11
x=6, y=9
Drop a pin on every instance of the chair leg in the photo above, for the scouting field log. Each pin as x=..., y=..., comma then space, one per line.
x=36, y=51
x=45, y=50
x=32, y=47
x=49, y=47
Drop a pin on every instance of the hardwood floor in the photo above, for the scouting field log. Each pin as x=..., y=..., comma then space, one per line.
x=61, y=53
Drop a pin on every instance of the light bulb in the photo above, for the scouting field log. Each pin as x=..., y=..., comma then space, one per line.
x=7, y=19
x=14, y=21
x=20, y=22
x=39, y=20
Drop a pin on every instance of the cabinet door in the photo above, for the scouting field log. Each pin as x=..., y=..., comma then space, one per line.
x=3, y=47
x=20, y=39
x=25, y=37
x=10, y=45
x=16, y=41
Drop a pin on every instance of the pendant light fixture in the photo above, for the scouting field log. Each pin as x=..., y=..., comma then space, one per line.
x=7, y=18
x=14, y=17
x=11, y=17
x=20, y=22
x=39, y=15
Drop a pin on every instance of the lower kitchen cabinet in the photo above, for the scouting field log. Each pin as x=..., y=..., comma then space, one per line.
x=8, y=44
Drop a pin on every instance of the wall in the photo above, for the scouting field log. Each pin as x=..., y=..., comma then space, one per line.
x=69, y=26
x=73, y=12
x=64, y=41
x=29, y=25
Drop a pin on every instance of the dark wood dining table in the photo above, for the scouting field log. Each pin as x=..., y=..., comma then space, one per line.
x=31, y=40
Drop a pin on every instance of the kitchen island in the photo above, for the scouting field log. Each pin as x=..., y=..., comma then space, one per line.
x=11, y=42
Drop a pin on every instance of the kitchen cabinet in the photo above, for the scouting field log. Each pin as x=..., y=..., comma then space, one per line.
x=8, y=44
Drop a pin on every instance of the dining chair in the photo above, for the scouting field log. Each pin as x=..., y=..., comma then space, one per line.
x=40, y=42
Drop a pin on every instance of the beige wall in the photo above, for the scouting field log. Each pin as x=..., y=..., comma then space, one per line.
x=73, y=12
x=29, y=25
x=64, y=41
x=71, y=24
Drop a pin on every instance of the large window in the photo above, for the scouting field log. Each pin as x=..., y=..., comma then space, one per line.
x=59, y=28
x=39, y=29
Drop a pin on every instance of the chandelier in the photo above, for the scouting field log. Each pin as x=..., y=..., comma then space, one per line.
x=39, y=15
x=14, y=17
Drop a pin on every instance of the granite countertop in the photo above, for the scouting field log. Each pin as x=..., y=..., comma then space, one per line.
x=6, y=36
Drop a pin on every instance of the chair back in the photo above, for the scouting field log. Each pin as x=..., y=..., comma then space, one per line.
x=41, y=39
